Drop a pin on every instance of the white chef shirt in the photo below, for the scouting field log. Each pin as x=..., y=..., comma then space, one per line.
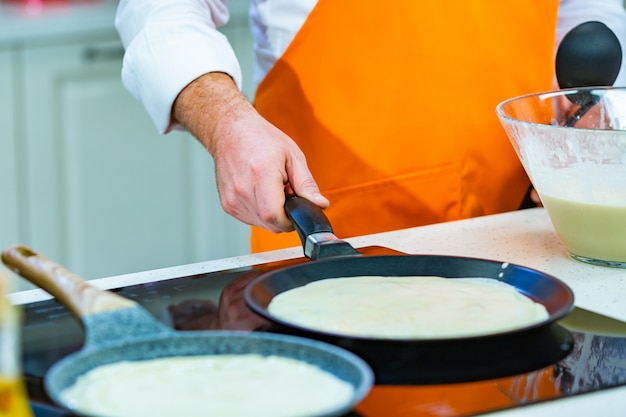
x=169, y=43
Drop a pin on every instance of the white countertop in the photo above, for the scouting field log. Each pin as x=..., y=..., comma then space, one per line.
x=523, y=237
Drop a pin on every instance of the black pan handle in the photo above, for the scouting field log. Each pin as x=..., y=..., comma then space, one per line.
x=315, y=231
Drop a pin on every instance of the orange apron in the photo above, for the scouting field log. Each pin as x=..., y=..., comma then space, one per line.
x=394, y=107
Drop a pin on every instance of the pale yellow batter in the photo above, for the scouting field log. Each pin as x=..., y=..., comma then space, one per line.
x=407, y=307
x=591, y=230
x=218, y=385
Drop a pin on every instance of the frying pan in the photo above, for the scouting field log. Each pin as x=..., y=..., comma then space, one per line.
x=118, y=329
x=420, y=361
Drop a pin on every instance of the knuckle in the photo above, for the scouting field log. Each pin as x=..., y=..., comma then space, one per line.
x=230, y=204
x=267, y=217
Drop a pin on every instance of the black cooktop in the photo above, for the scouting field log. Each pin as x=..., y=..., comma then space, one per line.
x=586, y=360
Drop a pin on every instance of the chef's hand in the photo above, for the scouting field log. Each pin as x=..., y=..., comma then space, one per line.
x=255, y=163
x=534, y=196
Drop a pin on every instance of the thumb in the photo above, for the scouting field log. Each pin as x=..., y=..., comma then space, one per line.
x=306, y=187
x=316, y=198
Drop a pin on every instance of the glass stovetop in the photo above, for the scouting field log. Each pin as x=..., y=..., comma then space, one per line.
x=596, y=361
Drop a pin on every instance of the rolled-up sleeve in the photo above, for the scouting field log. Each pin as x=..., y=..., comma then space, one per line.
x=170, y=43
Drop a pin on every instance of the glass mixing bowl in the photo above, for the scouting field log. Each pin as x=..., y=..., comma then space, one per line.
x=572, y=144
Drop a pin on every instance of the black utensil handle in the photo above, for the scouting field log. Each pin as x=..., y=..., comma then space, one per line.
x=314, y=230
x=589, y=55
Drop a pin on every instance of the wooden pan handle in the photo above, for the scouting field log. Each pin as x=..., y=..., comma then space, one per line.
x=72, y=291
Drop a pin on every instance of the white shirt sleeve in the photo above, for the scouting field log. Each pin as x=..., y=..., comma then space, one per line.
x=610, y=12
x=169, y=43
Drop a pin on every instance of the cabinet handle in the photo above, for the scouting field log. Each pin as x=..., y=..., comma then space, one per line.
x=96, y=54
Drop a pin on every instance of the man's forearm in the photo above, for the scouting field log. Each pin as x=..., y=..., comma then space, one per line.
x=207, y=104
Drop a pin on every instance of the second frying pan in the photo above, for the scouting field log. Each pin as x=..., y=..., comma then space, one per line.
x=118, y=329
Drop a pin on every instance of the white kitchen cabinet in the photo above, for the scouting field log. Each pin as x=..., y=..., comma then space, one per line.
x=9, y=215
x=86, y=179
x=108, y=195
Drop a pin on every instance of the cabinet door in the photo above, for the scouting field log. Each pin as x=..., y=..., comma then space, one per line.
x=106, y=194
x=9, y=219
